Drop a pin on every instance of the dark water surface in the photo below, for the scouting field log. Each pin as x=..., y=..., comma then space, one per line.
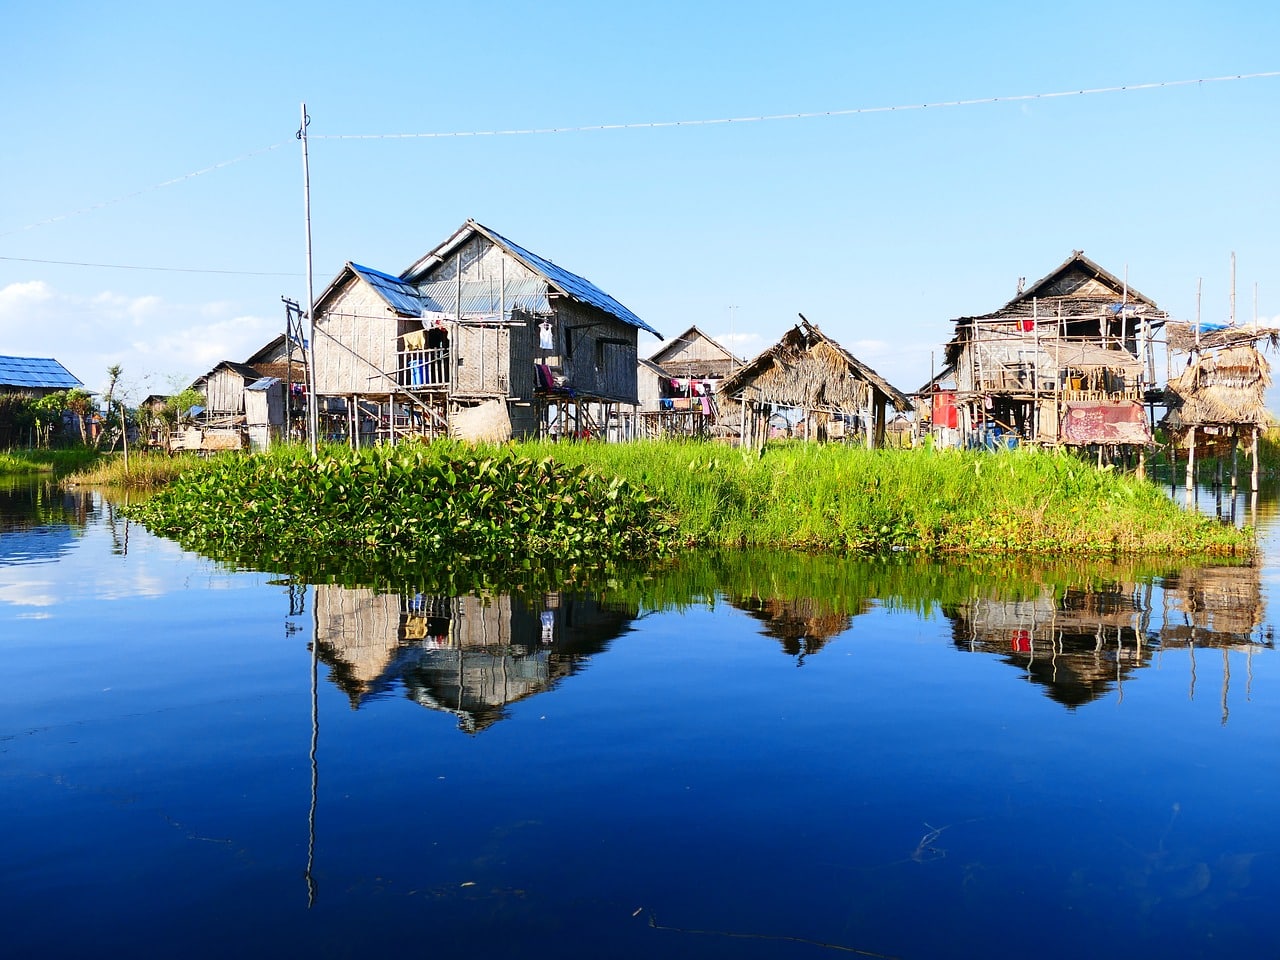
x=742, y=756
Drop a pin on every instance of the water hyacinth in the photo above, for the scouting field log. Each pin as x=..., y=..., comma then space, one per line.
x=441, y=502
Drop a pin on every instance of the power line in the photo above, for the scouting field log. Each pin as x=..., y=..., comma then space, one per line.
x=853, y=111
x=128, y=266
x=138, y=193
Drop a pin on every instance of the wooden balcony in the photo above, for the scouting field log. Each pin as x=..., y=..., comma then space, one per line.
x=424, y=369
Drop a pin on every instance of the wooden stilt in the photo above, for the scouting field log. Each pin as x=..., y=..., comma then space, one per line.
x=1191, y=465
x=1253, y=456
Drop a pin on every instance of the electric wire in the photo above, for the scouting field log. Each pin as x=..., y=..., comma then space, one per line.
x=129, y=266
x=852, y=111
x=137, y=193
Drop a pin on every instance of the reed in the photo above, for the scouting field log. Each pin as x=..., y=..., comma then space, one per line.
x=144, y=470
x=852, y=500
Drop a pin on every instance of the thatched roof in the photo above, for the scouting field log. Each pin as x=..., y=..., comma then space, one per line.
x=1077, y=289
x=1187, y=337
x=806, y=368
x=1221, y=387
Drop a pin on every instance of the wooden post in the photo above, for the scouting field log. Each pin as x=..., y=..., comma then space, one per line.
x=1191, y=464
x=1235, y=461
x=1253, y=454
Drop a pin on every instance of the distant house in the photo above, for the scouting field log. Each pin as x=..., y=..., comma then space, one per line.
x=480, y=338
x=677, y=385
x=32, y=377
x=223, y=388
x=826, y=393
x=35, y=377
x=1068, y=361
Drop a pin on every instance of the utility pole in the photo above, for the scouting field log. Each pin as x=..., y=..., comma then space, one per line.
x=313, y=409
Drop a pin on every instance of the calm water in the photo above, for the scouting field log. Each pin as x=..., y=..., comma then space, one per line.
x=744, y=756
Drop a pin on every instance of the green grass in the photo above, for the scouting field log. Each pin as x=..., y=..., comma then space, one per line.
x=60, y=461
x=852, y=500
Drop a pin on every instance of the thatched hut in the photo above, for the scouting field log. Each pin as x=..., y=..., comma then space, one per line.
x=832, y=393
x=1219, y=398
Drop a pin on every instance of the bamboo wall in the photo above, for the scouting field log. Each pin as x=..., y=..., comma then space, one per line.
x=597, y=366
x=356, y=344
x=224, y=392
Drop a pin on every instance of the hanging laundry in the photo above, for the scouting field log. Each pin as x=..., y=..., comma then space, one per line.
x=546, y=338
x=415, y=340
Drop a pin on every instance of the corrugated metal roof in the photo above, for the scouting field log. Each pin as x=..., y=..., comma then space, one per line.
x=402, y=297
x=266, y=383
x=483, y=299
x=569, y=283
x=43, y=373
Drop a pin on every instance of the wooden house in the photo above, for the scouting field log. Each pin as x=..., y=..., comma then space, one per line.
x=830, y=393
x=223, y=389
x=480, y=338
x=1218, y=397
x=678, y=385
x=1068, y=361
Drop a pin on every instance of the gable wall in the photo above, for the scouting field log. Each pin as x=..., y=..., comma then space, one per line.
x=355, y=343
x=481, y=261
x=224, y=392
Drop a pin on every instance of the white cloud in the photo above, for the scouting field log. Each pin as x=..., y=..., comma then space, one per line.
x=155, y=340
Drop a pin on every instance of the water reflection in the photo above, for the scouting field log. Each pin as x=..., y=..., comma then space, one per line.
x=471, y=656
x=1081, y=641
x=40, y=521
x=1080, y=631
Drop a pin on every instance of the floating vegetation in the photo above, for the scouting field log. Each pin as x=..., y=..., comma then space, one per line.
x=446, y=504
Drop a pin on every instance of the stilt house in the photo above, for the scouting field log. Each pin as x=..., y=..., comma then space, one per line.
x=678, y=385
x=480, y=338
x=1068, y=361
x=831, y=394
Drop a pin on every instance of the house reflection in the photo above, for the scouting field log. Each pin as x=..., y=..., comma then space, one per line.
x=471, y=656
x=1083, y=641
x=803, y=625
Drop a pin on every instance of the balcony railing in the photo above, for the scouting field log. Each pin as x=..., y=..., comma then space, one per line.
x=424, y=369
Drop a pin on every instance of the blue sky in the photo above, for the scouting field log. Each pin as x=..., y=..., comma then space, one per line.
x=880, y=227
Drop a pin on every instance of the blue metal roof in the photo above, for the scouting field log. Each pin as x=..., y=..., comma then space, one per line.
x=575, y=286
x=402, y=297
x=37, y=373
